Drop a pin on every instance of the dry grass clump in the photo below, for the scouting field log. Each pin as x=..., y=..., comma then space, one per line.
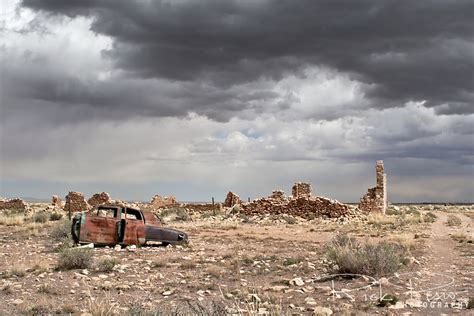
x=453, y=221
x=346, y=255
x=12, y=219
x=75, y=258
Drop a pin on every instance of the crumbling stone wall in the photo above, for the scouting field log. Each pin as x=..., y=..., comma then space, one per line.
x=302, y=190
x=376, y=198
x=56, y=201
x=301, y=204
x=231, y=199
x=99, y=198
x=18, y=204
x=75, y=202
x=158, y=201
x=302, y=207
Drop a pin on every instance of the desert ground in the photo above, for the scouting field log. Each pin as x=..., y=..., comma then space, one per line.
x=415, y=260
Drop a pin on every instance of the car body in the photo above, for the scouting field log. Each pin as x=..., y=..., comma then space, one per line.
x=111, y=225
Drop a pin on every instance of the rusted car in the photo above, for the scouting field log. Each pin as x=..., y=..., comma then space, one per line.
x=111, y=225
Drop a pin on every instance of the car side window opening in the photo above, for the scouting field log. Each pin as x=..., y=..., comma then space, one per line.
x=106, y=212
x=133, y=214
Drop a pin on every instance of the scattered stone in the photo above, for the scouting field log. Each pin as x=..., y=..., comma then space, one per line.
x=132, y=248
x=167, y=293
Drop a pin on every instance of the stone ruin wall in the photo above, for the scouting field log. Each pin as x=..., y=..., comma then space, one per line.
x=56, y=201
x=163, y=201
x=301, y=204
x=376, y=198
x=231, y=199
x=302, y=190
x=75, y=202
x=17, y=204
x=99, y=198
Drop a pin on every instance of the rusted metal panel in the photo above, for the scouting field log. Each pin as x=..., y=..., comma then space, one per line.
x=99, y=230
x=150, y=218
x=134, y=231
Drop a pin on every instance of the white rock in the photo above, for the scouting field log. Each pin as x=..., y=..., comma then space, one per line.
x=322, y=311
x=17, y=302
x=297, y=282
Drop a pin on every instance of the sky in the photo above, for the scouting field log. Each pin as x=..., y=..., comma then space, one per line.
x=196, y=98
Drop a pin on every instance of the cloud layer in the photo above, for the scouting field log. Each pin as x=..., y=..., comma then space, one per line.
x=254, y=95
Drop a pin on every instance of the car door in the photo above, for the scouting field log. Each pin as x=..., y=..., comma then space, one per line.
x=101, y=227
x=134, y=232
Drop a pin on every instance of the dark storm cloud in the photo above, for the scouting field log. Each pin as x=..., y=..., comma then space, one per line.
x=408, y=50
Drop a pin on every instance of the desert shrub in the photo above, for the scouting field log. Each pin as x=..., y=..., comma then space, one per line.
x=413, y=211
x=346, y=255
x=75, y=258
x=392, y=210
x=61, y=230
x=470, y=304
x=429, y=217
x=291, y=261
x=175, y=213
x=40, y=217
x=290, y=220
x=453, y=221
x=107, y=264
x=387, y=300
x=55, y=216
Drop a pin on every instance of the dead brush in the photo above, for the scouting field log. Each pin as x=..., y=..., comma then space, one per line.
x=75, y=258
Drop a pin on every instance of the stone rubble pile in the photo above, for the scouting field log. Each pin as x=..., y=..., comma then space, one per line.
x=17, y=204
x=376, y=198
x=75, y=202
x=158, y=201
x=231, y=199
x=99, y=198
